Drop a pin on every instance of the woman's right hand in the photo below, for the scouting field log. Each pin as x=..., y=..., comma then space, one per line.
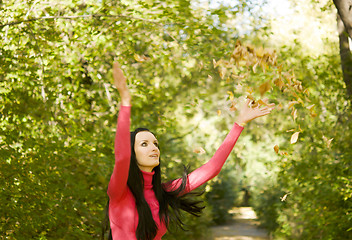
x=120, y=83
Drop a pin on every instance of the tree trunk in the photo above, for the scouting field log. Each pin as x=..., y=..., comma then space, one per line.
x=346, y=56
x=344, y=9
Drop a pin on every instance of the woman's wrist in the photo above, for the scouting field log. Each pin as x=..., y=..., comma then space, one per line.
x=241, y=122
x=125, y=98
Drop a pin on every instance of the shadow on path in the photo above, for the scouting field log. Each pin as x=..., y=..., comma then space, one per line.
x=243, y=227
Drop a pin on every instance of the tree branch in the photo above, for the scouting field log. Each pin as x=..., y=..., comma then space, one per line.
x=346, y=56
x=90, y=16
x=344, y=9
x=75, y=17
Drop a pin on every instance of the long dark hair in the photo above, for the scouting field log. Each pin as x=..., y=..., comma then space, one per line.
x=147, y=228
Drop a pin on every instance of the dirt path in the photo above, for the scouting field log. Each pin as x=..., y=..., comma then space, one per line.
x=243, y=227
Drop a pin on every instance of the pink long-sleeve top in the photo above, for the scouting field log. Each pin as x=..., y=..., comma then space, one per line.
x=122, y=209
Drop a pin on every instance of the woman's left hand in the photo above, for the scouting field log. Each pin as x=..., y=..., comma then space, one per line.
x=247, y=113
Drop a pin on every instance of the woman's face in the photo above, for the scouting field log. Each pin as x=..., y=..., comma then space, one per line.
x=147, y=151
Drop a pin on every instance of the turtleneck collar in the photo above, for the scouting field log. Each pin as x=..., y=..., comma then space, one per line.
x=148, y=179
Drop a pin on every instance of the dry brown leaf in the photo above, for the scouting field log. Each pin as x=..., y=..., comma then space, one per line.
x=294, y=137
x=327, y=142
x=137, y=57
x=264, y=88
x=306, y=92
x=279, y=83
x=259, y=52
x=299, y=128
x=276, y=148
x=233, y=106
x=250, y=97
x=311, y=107
x=284, y=197
x=280, y=106
x=249, y=90
x=313, y=114
x=254, y=68
x=261, y=102
x=288, y=77
x=232, y=97
x=199, y=150
x=222, y=72
x=291, y=104
x=294, y=114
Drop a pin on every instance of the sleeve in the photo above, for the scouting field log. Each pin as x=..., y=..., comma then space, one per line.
x=212, y=168
x=118, y=181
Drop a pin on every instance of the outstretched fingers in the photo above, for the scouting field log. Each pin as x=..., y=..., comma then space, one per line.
x=265, y=111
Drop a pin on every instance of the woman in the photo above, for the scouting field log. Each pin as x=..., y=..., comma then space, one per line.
x=140, y=206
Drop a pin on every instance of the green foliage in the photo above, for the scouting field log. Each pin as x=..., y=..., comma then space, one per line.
x=58, y=109
x=314, y=181
x=186, y=70
x=222, y=195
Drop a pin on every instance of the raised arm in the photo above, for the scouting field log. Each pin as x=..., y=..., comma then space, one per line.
x=118, y=181
x=212, y=168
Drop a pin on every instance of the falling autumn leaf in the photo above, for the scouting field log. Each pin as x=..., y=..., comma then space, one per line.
x=261, y=102
x=276, y=148
x=327, y=142
x=260, y=52
x=264, y=88
x=233, y=106
x=199, y=150
x=279, y=83
x=284, y=197
x=250, y=97
x=294, y=114
x=291, y=104
x=222, y=72
x=254, y=68
x=280, y=106
x=313, y=114
x=218, y=63
x=249, y=90
x=231, y=96
x=137, y=57
x=219, y=112
x=310, y=107
x=294, y=137
x=306, y=92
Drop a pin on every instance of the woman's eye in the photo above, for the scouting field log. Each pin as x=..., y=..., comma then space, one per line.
x=156, y=144
x=144, y=144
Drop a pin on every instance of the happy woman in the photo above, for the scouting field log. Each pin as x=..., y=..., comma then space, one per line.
x=141, y=206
